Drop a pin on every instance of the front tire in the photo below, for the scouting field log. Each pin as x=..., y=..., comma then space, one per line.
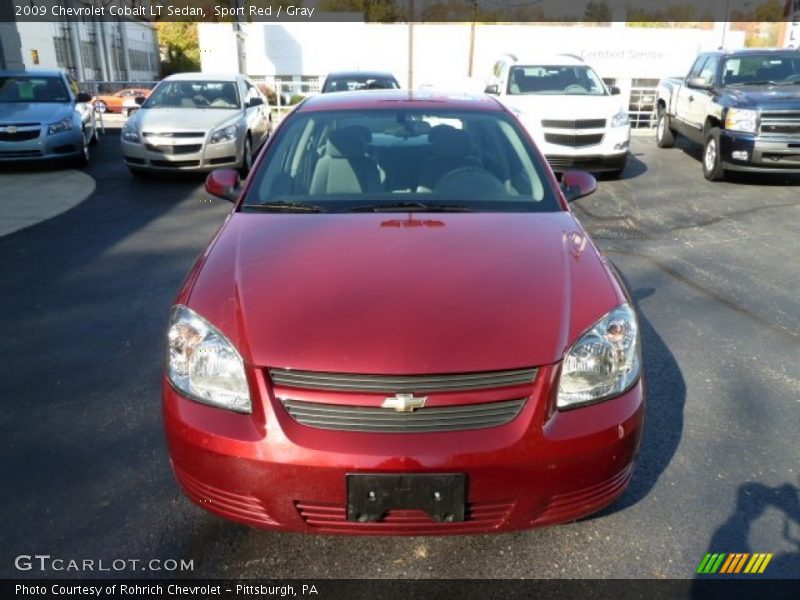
x=247, y=156
x=82, y=161
x=665, y=136
x=712, y=157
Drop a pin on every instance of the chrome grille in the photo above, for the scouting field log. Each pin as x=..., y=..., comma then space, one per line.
x=175, y=134
x=373, y=419
x=574, y=124
x=780, y=122
x=393, y=384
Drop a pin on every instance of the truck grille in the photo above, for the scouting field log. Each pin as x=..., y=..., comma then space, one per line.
x=573, y=141
x=385, y=420
x=393, y=384
x=780, y=122
x=574, y=124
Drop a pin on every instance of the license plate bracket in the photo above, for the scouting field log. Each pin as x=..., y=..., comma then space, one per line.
x=371, y=496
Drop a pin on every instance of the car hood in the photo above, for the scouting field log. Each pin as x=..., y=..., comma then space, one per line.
x=183, y=119
x=564, y=107
x=34, y=112
x=402, y=294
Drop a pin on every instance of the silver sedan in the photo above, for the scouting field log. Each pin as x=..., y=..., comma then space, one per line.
x=197, y=122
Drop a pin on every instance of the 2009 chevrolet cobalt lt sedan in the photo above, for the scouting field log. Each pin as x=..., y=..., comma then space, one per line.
x=402, y=329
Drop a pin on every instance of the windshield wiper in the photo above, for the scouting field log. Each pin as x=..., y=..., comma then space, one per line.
x=283, y=207
x=765, y=82
x=411, y=207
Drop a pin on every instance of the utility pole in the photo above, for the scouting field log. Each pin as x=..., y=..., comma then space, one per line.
x=411, y=44
x=472, y=37
x=725, y=24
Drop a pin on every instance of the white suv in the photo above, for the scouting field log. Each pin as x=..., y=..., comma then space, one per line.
x=575, y=120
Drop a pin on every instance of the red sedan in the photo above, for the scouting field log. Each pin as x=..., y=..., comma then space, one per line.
x=402, y=329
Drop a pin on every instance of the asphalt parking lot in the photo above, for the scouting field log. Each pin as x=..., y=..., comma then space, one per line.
x=85, y=297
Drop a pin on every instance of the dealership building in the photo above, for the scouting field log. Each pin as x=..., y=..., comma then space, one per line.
x=294, y=57
x=90, y=50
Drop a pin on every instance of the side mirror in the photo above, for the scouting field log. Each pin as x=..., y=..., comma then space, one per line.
x=82, y=97
x=255, y=102
x=577, y=184
x=698, y=83
x=139, y=100
x=492, y=89
x=223, y=183
x=615, y=91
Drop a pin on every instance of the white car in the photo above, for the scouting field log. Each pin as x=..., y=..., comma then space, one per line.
x=197, y=122
x=575, y=120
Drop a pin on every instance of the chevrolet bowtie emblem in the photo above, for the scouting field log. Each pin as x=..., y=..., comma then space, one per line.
x=404, y=402
x=11, y=129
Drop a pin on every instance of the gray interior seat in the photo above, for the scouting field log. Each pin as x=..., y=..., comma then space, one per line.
x=452, y=149
x=345, y=168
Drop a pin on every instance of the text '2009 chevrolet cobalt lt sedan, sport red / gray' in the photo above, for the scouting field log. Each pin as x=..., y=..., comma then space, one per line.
x=401, y=328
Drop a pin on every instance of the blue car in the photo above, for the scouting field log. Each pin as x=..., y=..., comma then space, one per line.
x=45, y=116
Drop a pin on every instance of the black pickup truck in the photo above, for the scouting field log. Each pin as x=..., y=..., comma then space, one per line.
x=743, y=106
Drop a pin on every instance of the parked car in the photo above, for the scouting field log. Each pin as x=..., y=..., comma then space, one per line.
x=45, y=116
x=350, y=81
x=574, y=118
x=197, y=122
x=401, y=328
x=121, y=101
x=742, y=106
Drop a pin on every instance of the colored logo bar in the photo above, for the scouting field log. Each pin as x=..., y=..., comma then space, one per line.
x=733, y=563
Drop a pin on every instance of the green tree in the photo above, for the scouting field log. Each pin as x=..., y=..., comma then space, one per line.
x=375, y=11
x=597, y=12
x=179, y=46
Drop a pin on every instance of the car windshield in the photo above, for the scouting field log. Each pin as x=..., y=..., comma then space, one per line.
x=413, y=160
x=554, y=79
x=761, y=69
x=351, y=83
x=194, y=94
x=24, y=88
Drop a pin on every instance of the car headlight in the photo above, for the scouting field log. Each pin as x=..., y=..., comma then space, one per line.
x=740, y=119
x=129, y=133
x=223, y=134
x=604, y=362
x=203, y=365
x=60, y=127
x=621, y=118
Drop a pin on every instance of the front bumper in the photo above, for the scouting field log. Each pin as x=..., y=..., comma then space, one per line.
x=765, y=154
x=207, y=158
x=609, y=154
x=67, y=144
x=268, y=470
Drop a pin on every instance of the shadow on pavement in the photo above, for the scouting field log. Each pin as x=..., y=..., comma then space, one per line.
x=753, y=500
x=695, y=152
x=665, y=398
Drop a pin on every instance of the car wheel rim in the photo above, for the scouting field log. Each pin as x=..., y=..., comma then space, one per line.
x=660, y=131
x=248, y=155
x=711, y=155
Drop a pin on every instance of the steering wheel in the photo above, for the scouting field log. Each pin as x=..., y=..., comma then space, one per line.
x=470, y=182
x=575, y=88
